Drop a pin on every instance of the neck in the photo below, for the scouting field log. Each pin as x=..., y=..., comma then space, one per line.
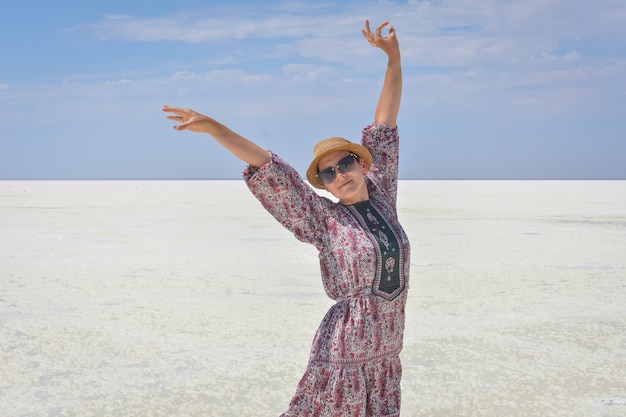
x=364, y=196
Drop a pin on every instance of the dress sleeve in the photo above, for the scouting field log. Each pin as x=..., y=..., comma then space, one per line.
x=383, y=143
x=289, y=199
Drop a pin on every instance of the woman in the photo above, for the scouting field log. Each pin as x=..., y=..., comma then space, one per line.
x=354, y=367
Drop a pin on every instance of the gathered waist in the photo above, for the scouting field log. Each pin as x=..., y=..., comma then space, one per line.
x=360, y=294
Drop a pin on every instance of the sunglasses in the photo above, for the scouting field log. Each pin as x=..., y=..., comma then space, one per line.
x=346, y=164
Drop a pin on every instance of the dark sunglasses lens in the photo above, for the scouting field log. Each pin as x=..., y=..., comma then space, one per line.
x=327, y=175
x=346, y=164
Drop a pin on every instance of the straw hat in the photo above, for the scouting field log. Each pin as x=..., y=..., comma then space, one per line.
x=330, y=145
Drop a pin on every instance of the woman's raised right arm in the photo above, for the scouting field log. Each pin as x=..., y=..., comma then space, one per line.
x=388, y=104
x=244, y=149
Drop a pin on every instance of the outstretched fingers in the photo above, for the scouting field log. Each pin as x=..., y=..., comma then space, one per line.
x=179, y=116
x=367, y=33
x=375, y=39
x=379, y=30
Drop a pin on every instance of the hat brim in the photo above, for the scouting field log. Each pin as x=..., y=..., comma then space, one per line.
x=359, y=150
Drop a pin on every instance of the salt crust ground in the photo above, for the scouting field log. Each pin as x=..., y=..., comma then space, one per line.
x=184, y=298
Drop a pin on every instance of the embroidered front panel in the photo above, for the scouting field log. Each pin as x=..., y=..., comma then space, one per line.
x=388, y=282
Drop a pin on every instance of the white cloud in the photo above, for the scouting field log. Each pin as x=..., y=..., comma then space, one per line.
x=194, y=27
x=159, y=29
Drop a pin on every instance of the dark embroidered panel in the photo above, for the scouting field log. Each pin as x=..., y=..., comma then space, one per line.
x=389, y=280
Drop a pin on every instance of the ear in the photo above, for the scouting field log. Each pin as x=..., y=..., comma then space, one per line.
x=364, y=166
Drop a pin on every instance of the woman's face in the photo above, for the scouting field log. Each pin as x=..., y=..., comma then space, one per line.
x=349, y=187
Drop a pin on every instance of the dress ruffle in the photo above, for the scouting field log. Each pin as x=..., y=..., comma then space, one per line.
x=349, y=390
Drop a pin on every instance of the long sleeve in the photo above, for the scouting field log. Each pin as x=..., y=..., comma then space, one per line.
x=289, y=199
x=383, y=143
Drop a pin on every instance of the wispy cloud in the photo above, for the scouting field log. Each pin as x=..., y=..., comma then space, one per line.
x=508, y=28
x=196, y=27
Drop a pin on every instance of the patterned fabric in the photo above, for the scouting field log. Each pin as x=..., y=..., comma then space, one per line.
x=354, y=367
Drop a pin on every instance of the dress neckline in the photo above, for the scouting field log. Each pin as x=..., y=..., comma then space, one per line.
x=359, y=204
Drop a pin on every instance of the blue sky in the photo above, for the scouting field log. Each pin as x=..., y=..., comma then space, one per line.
x=528, y=89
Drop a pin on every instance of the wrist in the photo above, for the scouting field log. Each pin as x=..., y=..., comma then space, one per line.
x=393, y=56
x=393, y=60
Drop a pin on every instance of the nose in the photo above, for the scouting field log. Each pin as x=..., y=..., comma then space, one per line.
x=339, y=172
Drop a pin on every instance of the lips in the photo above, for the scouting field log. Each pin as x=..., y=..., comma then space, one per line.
x=345, y=183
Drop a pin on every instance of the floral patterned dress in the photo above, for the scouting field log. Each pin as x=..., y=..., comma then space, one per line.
x=354, y=368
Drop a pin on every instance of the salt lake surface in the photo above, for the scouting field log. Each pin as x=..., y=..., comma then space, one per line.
x=185, y=298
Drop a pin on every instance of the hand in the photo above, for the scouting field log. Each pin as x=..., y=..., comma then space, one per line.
x=388, y=44
x=188, y=119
